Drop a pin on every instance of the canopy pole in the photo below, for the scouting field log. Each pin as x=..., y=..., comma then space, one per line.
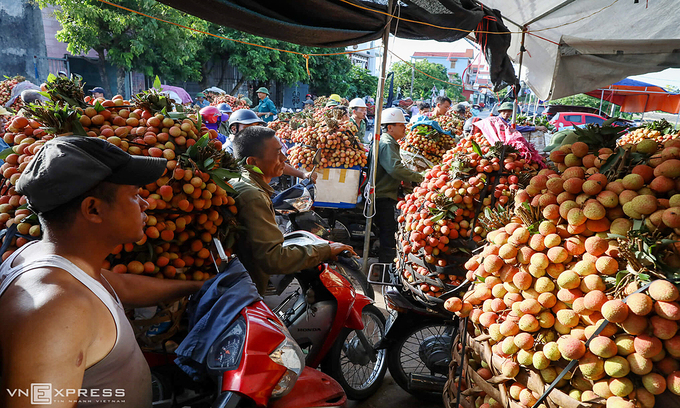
x=676, y=120
x=519, y=77
x=375, y=147
x=601, y=99
x=645, y=108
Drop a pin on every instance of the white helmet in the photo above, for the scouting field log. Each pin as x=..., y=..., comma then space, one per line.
x=392, y=115
x=357, y=103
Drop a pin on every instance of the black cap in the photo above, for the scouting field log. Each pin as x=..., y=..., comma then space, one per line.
x=69, y=166
x=98, y=89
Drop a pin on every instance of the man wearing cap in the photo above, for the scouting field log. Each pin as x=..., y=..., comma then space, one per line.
x=201, y=102
x=505, y=114
x=62, y=316
x=266, y=109
x=389, y=175
x=97, y=92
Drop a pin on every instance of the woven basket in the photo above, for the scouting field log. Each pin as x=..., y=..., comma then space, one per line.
x=164, y=314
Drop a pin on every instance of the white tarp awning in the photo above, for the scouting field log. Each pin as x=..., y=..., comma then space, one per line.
x=576, y=46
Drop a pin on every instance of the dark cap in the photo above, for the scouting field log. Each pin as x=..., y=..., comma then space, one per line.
x=98, y=89
x=69, y=166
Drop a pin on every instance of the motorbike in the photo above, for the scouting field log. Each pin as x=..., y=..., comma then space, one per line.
x=255, y=362
x=336, y=327
x=418, y=336
x=294, y=211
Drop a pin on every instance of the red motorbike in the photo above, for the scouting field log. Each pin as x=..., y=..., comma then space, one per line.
x=337, y=328
x=255, y=362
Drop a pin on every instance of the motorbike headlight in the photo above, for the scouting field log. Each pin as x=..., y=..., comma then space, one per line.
x=226, y=352
x=289, y=355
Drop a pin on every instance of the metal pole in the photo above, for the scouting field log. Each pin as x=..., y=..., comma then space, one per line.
x=601, y=98
x=376, y=142
x=519, y=76
x=676, y=120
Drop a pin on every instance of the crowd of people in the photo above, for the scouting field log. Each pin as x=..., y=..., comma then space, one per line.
x=85, y=193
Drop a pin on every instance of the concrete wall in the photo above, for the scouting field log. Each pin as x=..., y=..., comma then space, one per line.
x=21, y=38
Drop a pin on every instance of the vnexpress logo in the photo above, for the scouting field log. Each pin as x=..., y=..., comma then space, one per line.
x=41, y=394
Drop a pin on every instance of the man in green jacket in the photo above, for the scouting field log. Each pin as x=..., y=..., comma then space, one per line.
x=260, y=248
x=358, y=108
x=391, y=172
x=266, y=109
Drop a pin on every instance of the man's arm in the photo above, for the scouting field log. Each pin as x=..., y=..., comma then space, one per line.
x=266, y=240
x=289, y=170
x=525, y=129
x=46, y=342
x=141, y=291
x=389, y=158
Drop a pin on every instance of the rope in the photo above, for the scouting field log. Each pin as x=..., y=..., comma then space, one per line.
x=305, y=56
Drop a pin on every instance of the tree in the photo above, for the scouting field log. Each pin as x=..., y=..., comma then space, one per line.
x=423, y=84
x=361, y=83
x=127, y=40
x=330, y=74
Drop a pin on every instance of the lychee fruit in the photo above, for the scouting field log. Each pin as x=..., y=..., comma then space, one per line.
x=633, y=182
x=615, y=311
x=654, y=383
x=639, y=365
x=667, y=310
x=621, y=387
x=634, y=324
x=571, y=348
x=603, y=347
x=663, y=290
x=640, y=304
x=663, y=328
x=616, y=367
x=647, y=346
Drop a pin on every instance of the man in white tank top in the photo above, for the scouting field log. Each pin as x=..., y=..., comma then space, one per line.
x=64, y=338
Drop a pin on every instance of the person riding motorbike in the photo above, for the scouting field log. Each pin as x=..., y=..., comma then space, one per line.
x=223, y=129
x=261, y=248
x=212, y=118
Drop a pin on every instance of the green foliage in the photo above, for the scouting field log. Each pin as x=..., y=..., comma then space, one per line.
x=128, y=40
x=361, y=83
x=422, y=84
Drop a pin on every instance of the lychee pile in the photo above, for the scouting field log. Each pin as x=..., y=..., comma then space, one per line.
x=658, y=131
x=575, y=258
x=441, y=211
x=427, y=142
x=6, y=87
x=188, y=206
x=235, y=103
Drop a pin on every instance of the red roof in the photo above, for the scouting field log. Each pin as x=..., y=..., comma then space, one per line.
x=449, y=55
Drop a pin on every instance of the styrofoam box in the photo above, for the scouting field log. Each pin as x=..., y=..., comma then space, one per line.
x=337, y=187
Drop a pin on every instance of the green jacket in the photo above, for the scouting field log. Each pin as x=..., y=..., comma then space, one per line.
x=266, y=105
x=361, y=133
x=391, y=171
x=260, y=246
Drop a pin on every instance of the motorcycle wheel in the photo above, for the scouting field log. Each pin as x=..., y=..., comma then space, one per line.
x=403, y=357
x=350, y=366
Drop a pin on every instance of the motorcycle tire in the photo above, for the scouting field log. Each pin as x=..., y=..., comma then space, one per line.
x=346, y=353
x=403, y=357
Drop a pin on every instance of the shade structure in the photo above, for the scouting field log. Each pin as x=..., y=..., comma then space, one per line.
x=337, y=23
x=637, y=96
x=575, y=46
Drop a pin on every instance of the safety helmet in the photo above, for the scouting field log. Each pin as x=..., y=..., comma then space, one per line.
x=392, y=115
x=224, y=108
x=263, y=90
x=336, y=98
x=244, y=117
x=357, y=103
x=331, y=103
x=210, y=114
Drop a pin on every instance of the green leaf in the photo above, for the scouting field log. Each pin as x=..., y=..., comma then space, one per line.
x=209, y=163
x=476, y=148
x=164, y=111
x=5, y=153
x=224, y=174
x=644, y=277
x=157, y=83
x=203, y=141
x=98, y=107
x=51, y=77
x=222, y=184
x=45, y=94
x=438, y=216
x=620, y=275
x=637, y=225
x=21, y=207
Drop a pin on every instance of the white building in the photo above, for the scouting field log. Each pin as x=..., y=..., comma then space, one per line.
x=369, y=59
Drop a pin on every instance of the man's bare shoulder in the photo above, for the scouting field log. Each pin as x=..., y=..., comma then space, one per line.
x=44, y=295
